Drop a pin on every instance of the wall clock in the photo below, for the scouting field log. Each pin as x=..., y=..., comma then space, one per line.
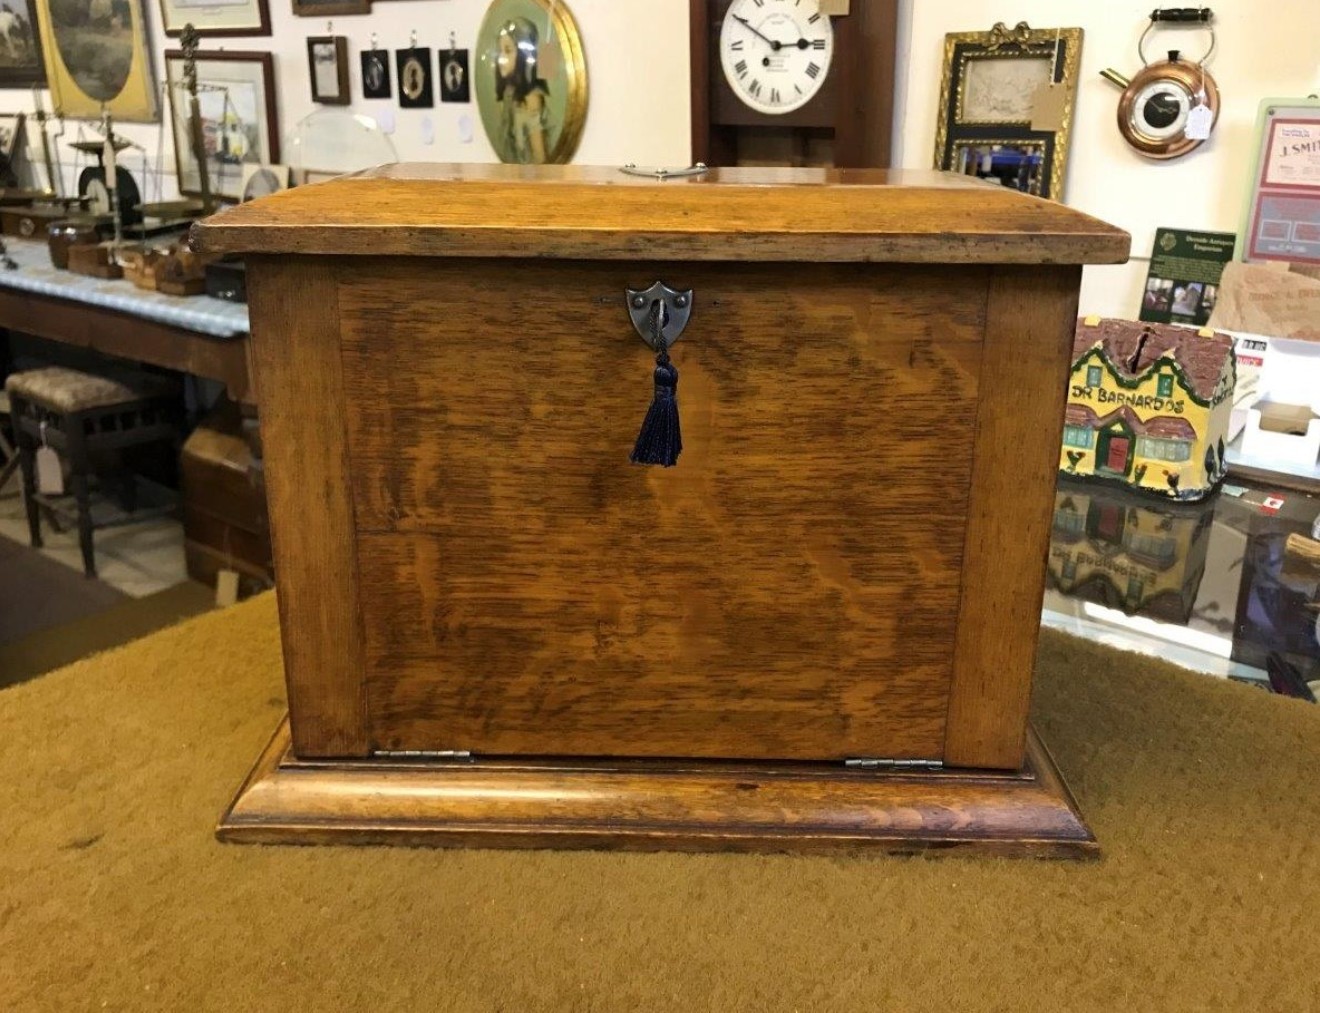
x=531, y=80
x=780, y=82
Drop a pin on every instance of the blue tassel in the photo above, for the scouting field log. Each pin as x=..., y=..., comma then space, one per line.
x=660, y=441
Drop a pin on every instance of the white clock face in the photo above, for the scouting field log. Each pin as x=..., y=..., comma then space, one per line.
x=776, y=53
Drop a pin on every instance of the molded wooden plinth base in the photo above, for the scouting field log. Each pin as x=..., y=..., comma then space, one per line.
x=655, y=805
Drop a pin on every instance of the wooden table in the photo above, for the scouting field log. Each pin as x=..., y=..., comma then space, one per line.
x=123, y=330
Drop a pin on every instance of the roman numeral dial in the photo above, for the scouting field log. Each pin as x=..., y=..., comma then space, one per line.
x=775, y=53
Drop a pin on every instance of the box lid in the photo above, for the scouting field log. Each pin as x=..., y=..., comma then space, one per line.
x=602, y=213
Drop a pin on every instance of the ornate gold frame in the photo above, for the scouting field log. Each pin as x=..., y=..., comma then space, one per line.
x=1019, y=42
x=564, y=29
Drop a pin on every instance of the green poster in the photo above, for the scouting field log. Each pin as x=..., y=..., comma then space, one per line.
x=1183, y=283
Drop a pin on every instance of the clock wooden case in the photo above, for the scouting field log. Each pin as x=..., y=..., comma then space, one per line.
x=846, y=124
x=500, y=631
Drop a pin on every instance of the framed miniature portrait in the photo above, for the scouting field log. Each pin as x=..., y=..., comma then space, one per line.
x=236, y=93
x=97, y=58
x=20, y=61
x=376, y=73
x=327, y=58
x=216, y=17
x=454, y=76
x=415, y=89
x=1006, y=105
x=531, y=80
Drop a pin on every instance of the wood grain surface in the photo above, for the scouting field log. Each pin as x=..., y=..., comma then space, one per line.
x=1031, y=315
x=295, y=337
x=794, y=215
x=788, y=590
x=656, y=805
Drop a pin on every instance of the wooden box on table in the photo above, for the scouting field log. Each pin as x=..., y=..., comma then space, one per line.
x=815, y=630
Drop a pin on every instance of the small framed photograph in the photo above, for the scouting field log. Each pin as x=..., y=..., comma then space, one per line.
x=20, y=61
x=216, y=17
x=1006, y=105
x=454, y=76
x=236, y=96
x=327, y=56
x=326, y=8
x=376, y=73
x=415, y=88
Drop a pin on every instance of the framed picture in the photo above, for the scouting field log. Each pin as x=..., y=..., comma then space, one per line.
x=1006, y=105
x=415, y=89
x=376, y=73
x=20, y=59
x=216, y=17
x=236, y=95
x=1281, y=216
x=96, y=56
x=327, y=57
x=531, y=80
x=454, y=76
x=325, y=8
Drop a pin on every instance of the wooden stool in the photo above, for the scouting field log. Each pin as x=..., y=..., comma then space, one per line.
x=80, y=415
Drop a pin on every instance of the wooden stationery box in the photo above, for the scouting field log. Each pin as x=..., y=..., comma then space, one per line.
x=846, y=563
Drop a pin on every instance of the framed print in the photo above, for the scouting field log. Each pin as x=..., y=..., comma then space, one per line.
x=325, y=8
x=1006, y=105
x=1281, y=219
x=236, y=94
x=327, y=58
x=415, y=91
x=376, y=73
x=20, y=57
x=454, y=76
x=96, y=56
x=216, y=17
x=531, y=80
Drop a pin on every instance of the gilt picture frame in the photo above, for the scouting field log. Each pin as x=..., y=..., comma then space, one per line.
x=236, y=92
x=1010, y=95
x=98, y=57
x=21, y=63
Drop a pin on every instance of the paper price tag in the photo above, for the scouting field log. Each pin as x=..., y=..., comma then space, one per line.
x=1047, y=106
x=835, y=8
x=226, y=588
x=50, y=476
x=1199, y=121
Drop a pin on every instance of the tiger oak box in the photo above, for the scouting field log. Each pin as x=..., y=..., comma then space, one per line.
x=815, y=629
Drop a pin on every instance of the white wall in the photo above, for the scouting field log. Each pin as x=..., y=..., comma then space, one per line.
x=639, y=106
x=1266, y=49
x=637, y=53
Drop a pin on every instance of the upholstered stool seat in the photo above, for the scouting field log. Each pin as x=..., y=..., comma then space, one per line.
x=81, y=416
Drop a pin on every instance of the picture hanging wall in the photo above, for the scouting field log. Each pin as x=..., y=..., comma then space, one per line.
x=1006, y=105
x=415, y=89
x=216, y=17
x=327, y=59
x=376, y=73
x=96, y=56
x=236, y=93
x=531, y=80
x=20, y=57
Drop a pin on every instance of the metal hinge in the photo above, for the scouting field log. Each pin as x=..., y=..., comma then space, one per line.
x=870, y=763
x=424, y=754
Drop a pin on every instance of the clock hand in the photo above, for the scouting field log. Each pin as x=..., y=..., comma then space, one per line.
x=776, y=46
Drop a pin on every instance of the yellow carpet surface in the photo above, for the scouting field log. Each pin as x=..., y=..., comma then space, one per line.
x=115, y=895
